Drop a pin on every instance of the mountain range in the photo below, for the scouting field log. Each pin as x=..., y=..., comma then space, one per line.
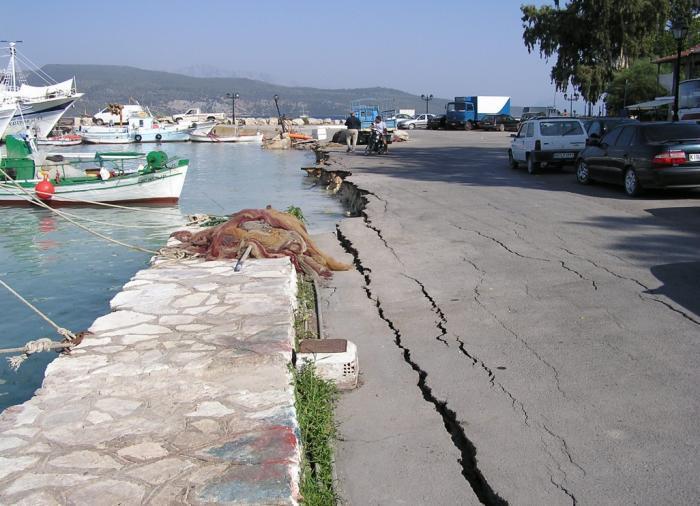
x=168, y=93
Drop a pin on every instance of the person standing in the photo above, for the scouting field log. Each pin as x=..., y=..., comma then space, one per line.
x=353, y=131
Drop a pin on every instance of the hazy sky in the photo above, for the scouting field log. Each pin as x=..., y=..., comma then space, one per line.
x=444, y=47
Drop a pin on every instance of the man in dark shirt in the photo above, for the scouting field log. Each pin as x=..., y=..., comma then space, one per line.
x=354, y=127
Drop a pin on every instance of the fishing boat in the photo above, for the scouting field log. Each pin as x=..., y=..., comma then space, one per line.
x=226, y=134
x=7, y=111
x=37, y=107
x=82, y=178
x=61, y=140
x=141, y=127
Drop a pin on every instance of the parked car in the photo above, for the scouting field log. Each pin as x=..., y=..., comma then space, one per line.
x=401, y=117
x=552, y=141
x=598, y=127
x=419, y=121
x=437, y=122
x=498, y=122
x=644, y=155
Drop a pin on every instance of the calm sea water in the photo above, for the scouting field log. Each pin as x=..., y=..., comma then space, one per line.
x=71, y=275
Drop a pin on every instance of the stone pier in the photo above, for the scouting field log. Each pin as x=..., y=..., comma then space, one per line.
x=182, y=396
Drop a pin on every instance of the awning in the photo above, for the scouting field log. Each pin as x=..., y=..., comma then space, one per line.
x=651, y=104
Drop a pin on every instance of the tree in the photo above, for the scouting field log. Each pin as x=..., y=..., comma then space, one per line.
x=592, y=39
x=632, y=85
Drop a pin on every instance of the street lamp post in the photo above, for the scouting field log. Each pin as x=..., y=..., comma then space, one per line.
x=679, y=31
x=571, y=98
x=233, y=96
x=427, y=99
x=279, y=115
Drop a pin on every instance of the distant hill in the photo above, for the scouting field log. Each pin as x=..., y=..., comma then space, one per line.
x=167, y=93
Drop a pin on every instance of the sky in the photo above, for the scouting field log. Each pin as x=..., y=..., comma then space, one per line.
x=446, y=48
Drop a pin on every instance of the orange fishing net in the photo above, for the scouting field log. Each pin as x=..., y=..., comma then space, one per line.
x=270, y=233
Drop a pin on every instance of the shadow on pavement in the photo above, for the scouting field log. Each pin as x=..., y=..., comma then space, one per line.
x=680, y=283
x=488, y=166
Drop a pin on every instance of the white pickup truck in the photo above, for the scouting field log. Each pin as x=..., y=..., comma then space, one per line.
x=196, y=115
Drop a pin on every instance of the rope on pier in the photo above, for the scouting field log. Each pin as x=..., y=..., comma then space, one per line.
x=39, y=345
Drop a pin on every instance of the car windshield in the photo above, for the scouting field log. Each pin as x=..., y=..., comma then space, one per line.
x=672, y=132
x=560, y=128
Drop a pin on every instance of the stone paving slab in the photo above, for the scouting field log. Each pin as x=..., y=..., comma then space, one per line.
x=182, y=396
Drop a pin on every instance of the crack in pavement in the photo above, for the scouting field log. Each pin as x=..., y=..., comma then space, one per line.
x=640, y=284
x=561, y=487
x=468, y=462
x=368, y=224
x=441, y=324
x=477, y=299
x=584, y=278
x=564, y=448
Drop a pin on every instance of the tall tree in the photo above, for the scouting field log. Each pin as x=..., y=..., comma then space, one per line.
x=591, y=39
x=632, y=85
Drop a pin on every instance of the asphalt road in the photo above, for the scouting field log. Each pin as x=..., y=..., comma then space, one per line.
x=523, y=339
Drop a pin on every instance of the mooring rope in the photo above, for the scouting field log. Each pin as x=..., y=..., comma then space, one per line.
x=40, y=344
x=32, y=198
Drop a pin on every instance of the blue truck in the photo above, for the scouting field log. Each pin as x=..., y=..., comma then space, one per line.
x=464, y=112
x=366, y=110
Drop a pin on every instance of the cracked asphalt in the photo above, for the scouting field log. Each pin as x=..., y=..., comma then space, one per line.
x=522, y=339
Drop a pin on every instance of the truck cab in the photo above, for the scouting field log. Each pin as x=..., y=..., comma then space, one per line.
x=465, y=112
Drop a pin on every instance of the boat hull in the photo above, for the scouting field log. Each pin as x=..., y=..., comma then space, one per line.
x=161, y=187
x=111, y=135
x=258, y=138
x=40, y=116
x=6, y=114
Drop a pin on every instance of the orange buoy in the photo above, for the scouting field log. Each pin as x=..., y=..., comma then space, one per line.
x=44, y=189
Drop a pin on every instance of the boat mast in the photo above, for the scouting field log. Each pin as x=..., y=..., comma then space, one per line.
x=11, y=71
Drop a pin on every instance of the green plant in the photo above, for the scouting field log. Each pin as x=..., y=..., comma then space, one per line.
x=315, y=399
x=306, y=307
x=297, y=213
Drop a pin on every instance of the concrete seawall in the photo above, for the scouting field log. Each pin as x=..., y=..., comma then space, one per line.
x=182, y=396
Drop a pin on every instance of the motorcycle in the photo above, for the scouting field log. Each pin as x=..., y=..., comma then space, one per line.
x=376, y=143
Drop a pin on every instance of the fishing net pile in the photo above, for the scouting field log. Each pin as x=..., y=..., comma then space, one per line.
x=270, y=233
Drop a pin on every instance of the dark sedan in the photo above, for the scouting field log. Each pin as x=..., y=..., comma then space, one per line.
x=644, y=155
x=498, y=122
x=599, y=126
x=436, y=122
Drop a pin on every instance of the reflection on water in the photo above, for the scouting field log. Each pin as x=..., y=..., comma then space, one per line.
x=71, y=275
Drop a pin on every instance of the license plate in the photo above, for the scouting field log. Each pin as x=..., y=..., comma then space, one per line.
x=694, y=157
x=563, y=155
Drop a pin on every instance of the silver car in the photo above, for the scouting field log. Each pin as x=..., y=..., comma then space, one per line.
x=419, y=121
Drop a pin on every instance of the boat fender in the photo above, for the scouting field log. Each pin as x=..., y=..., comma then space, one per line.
x=44, y=189
x=137, y=138
x=158, y=137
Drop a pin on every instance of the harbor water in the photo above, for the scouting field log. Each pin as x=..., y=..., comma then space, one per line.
x=71, y=275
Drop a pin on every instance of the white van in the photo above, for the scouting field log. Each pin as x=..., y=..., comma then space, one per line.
x=550, y=141
x=105, y=117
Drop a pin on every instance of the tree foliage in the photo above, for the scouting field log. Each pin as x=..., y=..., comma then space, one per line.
x=632, y=85
x=591, y=39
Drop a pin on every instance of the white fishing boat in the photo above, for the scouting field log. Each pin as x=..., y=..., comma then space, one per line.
x=80, y=178
x=7, y=111
x=38, y=107
x=61, y=140
x=226, y=134
x=140, y=128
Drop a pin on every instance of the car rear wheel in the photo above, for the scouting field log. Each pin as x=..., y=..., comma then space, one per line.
x=632, y=186
x=411, y=126
x=532, y=166
x=582, y=174
x=512, y=161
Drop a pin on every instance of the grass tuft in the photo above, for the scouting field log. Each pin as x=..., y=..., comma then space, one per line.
x=315, y=398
